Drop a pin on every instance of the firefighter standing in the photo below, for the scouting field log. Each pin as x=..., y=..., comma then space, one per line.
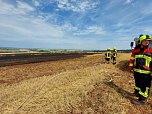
x=141, y=65
x=114, y=55
x=108, y=56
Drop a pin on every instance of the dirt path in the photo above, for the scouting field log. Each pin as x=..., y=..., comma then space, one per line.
x=74, y=86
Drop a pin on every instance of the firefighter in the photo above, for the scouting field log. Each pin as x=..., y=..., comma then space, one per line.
x=114, y=55
x=108, y=56
x=141, y=65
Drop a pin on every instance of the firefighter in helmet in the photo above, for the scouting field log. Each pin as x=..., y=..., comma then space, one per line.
x=141, y=66
x=108, y=56
x=114, y=55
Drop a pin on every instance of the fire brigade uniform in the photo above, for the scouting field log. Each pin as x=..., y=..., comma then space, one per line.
x=114, y=55
x=108, y=56
x=141, y=64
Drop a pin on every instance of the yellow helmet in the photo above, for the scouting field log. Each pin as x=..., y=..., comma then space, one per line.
x=114, y=48
x=144, y=37
x=108, y=49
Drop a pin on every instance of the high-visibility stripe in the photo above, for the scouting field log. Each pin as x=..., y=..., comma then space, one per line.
x=114, y=54
x=132, y=58
x=142, y=71
x=108, y=54
x=138, y=56
x=147, y=58
x=137, y=88
x=144, y=94
x=143, y=56
x=131, y=64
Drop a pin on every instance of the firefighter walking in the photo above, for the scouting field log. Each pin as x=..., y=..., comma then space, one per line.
x=141, y=65
x=114, y=55
x=107, y=56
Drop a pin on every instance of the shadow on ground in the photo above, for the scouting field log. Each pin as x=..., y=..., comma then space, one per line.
x=121, y=91
x=123, y=65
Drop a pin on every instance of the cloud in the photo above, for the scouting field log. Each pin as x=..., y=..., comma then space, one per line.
x=30, y=27
x=129, y=1
x=36, y=31
x=69, y=27
x=6, y=8
x=20, y=8
x=147, y=9
x=36, y=2
x=74, y=23
x=24, y=6
x=23, y=25
x=77, y=5
x=96, y=30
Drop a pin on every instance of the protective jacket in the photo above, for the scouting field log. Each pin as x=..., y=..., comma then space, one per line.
x=108, y=54
x=114, y=54
x=141, y=60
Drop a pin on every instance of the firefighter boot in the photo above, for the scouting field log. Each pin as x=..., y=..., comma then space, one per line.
x=114, y=62
x=140, y=101
x=136, y=93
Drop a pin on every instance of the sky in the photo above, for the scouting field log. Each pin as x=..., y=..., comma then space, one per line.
x=73, y=24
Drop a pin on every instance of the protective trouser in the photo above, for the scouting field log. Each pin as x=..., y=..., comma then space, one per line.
x=114, y=60
x=107, y=60
x=142, y=84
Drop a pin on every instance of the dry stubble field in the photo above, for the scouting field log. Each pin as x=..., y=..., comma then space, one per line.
x=72, y=86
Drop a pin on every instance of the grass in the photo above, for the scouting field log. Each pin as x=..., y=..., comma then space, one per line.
x=81, y=90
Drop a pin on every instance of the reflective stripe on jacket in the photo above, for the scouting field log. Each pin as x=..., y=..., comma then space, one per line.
x=114, y=54
x=108, y=54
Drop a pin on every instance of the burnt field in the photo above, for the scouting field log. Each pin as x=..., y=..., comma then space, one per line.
x=24, y=58
x=83, y=85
